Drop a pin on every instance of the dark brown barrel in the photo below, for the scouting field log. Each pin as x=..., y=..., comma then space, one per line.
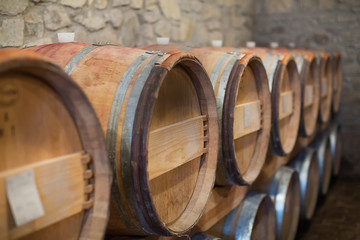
x=337, y=81
x=321, y=145
x=243, y=102
x=285, y=193
x=253, y=219
x=203, y=236
x=307, y=167
x=52, y=154
x=285, y=88
x=326, y=85
x=335, y=146
x=158, y=113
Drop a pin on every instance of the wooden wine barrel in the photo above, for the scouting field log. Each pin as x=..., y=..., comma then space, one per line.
x=284, y=85
x=253, y=219
x=326, y=85
x=310, y=88
x=321, y=145
x=337, y=81
x=54, y=172
x=335, y=147
x=158, y=112
x=244, y=109
x=307, y=167
x=285, y=194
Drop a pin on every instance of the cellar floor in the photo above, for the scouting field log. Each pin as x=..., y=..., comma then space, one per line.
x=337, y=216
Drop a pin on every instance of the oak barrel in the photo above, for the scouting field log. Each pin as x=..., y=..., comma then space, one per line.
x=310, y=88
x=158, y=113
x=203, y=236
x=326, y=85
x=337, y=81
x=244, y=109
x=253, y=219
x=307, y=167
x=335, y=147
x=54, y=171
x=285, y=194
x=284, y=85
x=321, y=145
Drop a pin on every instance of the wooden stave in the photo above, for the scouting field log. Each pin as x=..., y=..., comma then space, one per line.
x=304, y=163
x=228, y=171
x=337, y=81
x=155, y=226
x=278, y=191
x=95, y=219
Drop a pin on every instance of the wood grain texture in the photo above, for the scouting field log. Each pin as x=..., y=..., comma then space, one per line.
x=143, y=100
x=45, y=129
x=239, y=163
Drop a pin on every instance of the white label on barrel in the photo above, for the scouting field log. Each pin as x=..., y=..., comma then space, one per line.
x=308, y=95
x=247, y=109
x=323, y=88
x=286, y=103
x=24, y=197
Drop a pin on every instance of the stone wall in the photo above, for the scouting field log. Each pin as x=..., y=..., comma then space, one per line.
x=332, y=25
x=125, y=22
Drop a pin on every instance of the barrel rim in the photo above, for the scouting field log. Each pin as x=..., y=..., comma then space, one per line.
x=309, y=67
x=92, y=139
x=139, y=144
x=232, y=170
x=278, y=193
x=276, y=142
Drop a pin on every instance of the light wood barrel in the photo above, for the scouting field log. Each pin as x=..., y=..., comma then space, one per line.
x=158, y=112
x=285, y=193
x=54, y=172
x=326, y=85
x=307, y=167
x=285, y=88
x=337, y=81
x=321, y=145
x=335, y=146
x=253, y=219
x=310, y=88
x=244, y=110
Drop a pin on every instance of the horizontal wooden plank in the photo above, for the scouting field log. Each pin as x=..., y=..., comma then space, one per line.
x=308, y=95
x=247, y=118
x=286, y=104
x=175, y=145
x=61, y=187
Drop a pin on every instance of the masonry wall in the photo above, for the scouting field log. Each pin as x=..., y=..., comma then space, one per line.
x=126, y=22
x=332, y=25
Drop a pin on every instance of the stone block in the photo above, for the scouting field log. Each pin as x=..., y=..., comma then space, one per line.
x=12, y=7
x=212, y=12
x=116, y=17
x=34, y=24
x=279, y=6
x=149, y=4
x=74, y=3
x=170, y=8
x=129, y=32
x=56, y=17
x=38, y=42
x=120, y=3
x=152, y=15
x=163, y=28
x=92, y=20
x=12, y=32
x=101, y=4
x=136, y=4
